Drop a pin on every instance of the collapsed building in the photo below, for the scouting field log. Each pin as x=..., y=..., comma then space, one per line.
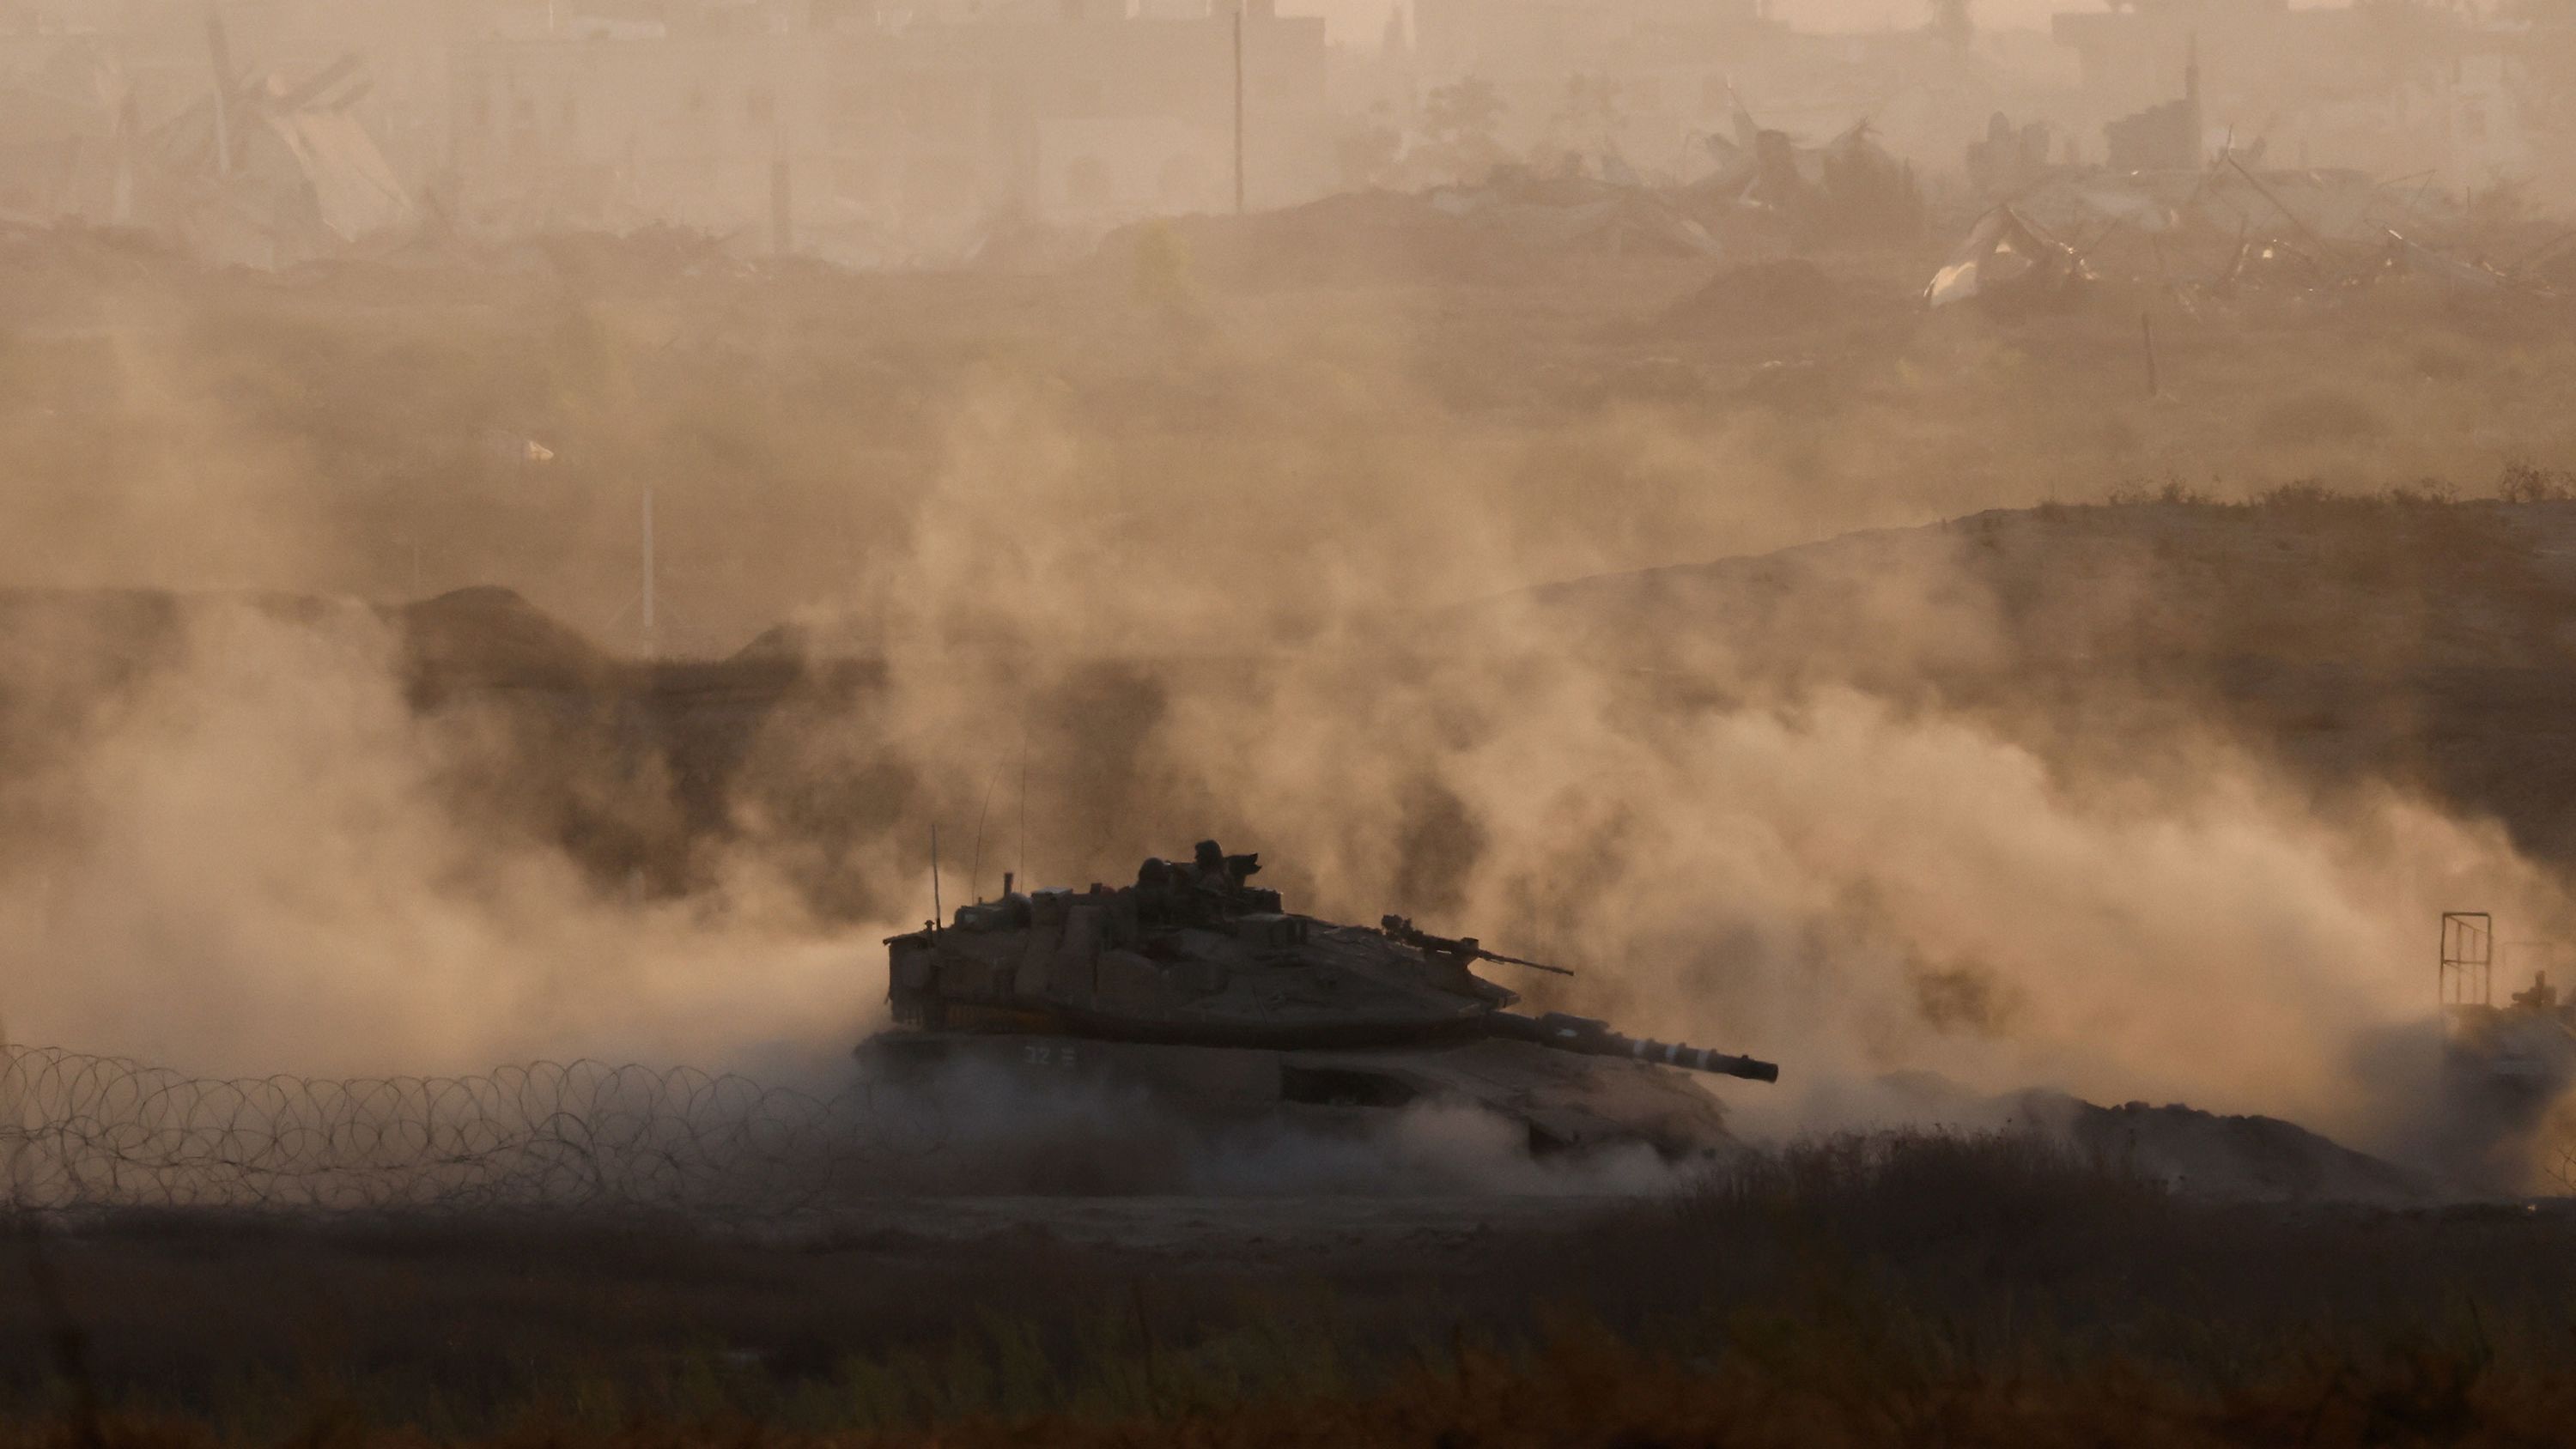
x=1660, y=83
x=862, y=130
x=255, y=166
x=2456, y=100
x=2166, y=136
x=881, y=137
x=2227, y=229
x=2008, y=265
x=1851, y=188
x=889, y=132
x=2010, y=157
x=2195, y=206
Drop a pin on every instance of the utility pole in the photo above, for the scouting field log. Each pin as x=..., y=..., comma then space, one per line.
x=782, y=206
x=649, y=641
x=1238, y=105
x=128, y=130
x=220, y=50
x=782, y=195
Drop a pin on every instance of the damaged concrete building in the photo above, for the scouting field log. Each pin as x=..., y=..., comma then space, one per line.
x=2167, y=136
x=1659, y=72
x=2393, y=88
x=871, y=134
x=1667, y=81
x=237, y=154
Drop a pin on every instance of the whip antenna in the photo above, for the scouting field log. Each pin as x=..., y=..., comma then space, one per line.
x=975, y=874
x=936, y=912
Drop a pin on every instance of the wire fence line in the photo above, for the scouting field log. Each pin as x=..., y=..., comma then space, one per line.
x=81, y=1132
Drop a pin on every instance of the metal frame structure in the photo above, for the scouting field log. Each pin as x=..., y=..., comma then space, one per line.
x=2468, y=959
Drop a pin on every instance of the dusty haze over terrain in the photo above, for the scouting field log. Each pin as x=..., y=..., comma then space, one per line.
x=1191, y=567
x=1906, y=673
x=1700, y=564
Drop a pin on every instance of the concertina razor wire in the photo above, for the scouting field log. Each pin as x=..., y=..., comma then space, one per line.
x=80, y=1132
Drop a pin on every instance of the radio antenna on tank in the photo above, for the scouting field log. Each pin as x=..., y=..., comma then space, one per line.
x=975, y=873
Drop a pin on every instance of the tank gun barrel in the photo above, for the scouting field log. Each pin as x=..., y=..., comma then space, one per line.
x=1593, y=1037
x=1397, y=928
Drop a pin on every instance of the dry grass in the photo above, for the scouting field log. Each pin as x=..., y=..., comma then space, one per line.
x=1861, y=1291
x=1582, y=1388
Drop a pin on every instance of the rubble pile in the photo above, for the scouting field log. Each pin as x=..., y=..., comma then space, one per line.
x=2208, y=236
x=1499, y=231
x=1768, y=297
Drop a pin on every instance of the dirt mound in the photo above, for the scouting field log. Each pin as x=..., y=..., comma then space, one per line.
x=486, y=637
x=2239, y=1159
x=1785, y=295
x=2309, y=578
x=2359, y=637
x=110, y=635
x=1354, y=237
x=2192, y=1153
x=56, y=274
x=1494, y=233
x=483, y=635
x=110, y=624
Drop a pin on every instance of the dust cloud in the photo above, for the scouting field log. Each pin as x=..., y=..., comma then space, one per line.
x=257, y=852
x=250, y=864
x=998, y=1134
x=1845, y=886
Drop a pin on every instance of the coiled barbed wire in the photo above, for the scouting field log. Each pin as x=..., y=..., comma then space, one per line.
x=79, y=1131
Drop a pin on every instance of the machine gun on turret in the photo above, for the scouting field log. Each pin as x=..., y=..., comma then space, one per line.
x=1404, y=932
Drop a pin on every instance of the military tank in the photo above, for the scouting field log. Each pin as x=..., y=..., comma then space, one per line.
x=1204, y=990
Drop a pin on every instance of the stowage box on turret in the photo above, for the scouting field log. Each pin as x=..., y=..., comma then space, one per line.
x=1200, y=985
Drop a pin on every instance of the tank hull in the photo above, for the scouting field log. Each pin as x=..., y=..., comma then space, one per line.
x=1564, y=1103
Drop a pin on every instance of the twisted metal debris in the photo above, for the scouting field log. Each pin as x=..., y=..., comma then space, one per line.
x=79, y=1132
